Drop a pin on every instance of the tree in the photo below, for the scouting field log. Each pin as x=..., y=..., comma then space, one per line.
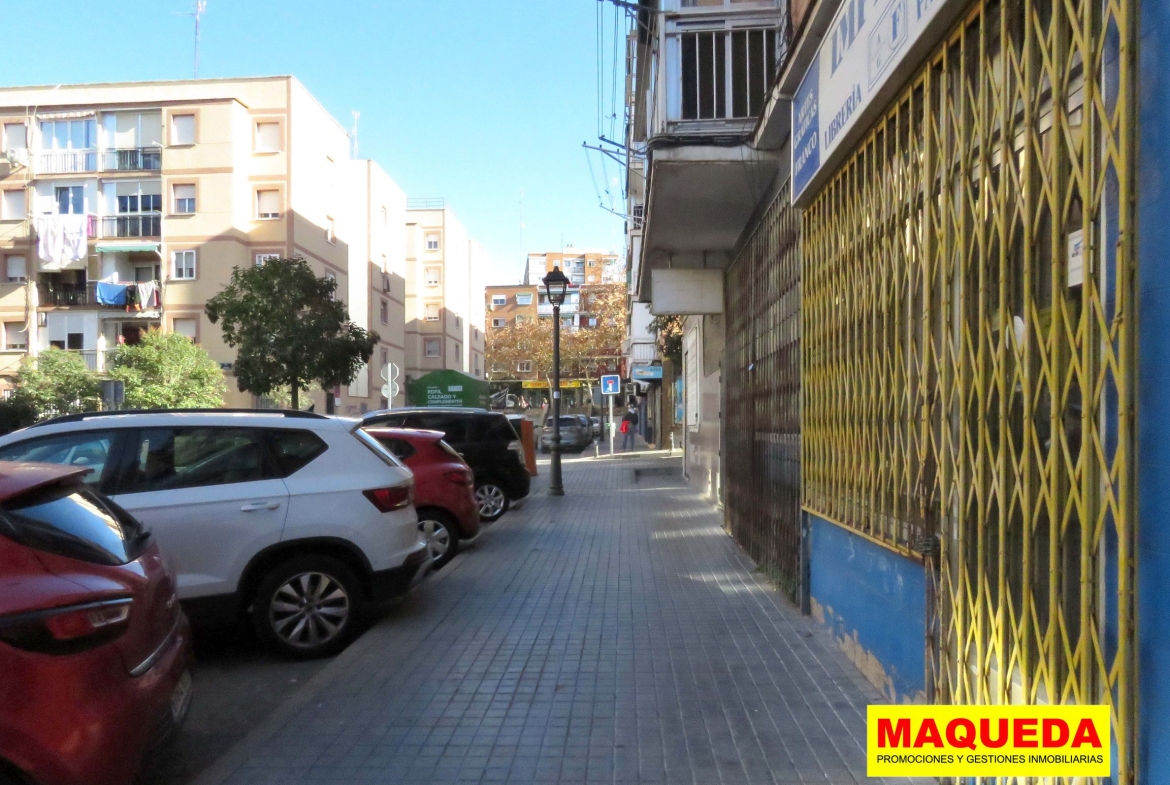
x=583, y=349
x=168, y=372
x=288, y=328
x=56, y=382
x=668, y=332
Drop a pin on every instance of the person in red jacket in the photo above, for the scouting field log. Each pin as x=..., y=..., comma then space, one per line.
x=628, y=428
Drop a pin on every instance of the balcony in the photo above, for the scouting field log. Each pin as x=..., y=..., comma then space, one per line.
x=134, y=159
x=96, y=359
x=131, y=225
x=79, y=295
x=42, y=223
x=67, y=161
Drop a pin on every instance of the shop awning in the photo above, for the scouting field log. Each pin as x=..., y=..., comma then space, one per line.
x=125, y=247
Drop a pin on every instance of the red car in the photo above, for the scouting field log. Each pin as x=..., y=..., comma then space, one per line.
x=94, y=650
x=444, y=488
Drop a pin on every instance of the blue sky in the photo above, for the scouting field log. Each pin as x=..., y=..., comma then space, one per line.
x=472, y=100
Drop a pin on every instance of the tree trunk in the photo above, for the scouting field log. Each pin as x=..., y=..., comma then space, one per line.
x=296, y=395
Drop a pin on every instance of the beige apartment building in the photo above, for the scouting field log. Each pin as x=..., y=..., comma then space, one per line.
x=444, y=285
x=125, y=206
x=583, y=266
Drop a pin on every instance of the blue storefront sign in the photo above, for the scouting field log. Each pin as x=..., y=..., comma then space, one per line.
x=645, y=373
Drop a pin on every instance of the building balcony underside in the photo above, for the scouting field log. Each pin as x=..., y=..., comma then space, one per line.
x=701, y=198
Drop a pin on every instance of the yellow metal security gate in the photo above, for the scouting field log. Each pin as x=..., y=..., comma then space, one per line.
x=968, y=362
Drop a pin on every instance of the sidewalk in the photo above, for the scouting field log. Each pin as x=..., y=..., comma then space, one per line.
x=613, y=635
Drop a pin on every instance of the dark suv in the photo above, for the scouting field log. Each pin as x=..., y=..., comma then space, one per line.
x=486, y=440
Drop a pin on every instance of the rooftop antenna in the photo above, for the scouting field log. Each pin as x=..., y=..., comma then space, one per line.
x=522, y=254
x=356, y=114
x=200, y=7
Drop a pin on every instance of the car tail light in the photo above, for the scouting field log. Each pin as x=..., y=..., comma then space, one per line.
x=460, y=477
x=67, y=630
x=390, y=499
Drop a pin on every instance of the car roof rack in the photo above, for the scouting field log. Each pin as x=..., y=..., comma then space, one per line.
x=295, y=414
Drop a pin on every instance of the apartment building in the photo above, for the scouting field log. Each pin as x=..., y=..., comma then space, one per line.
x=583, y=266
x=510, y=305
x=444, y=280
x=125, y=206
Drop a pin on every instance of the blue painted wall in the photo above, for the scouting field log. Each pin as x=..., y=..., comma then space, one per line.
x=1154, y=382
x=874, y=601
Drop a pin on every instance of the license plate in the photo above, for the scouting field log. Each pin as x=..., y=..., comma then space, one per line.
x=181, y=697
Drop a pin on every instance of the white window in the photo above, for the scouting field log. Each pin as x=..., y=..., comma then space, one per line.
x=188, y=328
x=184, y=199
x=524, y=299
x=432, y=312
x=499, y=299
x=267, y=137
x=432, y=347
x=16, y=269
x=432, y=275
x=182, y=129
x=15, y=136
x=184, y=265
x=261, y=258
x=499, y=322
x=432, y=241
x=385, y=217
x=333, y=279
x=268, y=204
x=330, y=237
x=520, y=319
x=458, y=353
x=384, y=312
x=15, y=336
x=524, y=366
x=13, y=207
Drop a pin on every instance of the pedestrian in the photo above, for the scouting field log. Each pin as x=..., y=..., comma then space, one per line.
x=628, y=428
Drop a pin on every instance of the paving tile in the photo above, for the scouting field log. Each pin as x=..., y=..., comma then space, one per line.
x=612, y=635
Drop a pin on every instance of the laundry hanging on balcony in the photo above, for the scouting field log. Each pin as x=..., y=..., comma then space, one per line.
x=61, y=240
x=111, y=293
x=147, y=295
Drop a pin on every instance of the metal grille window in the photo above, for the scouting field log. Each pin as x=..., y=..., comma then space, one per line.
x=713, y=90
x=968, y=371
x=762, y=375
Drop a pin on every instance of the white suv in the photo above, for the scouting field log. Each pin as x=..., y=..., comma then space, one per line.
x=299, y=519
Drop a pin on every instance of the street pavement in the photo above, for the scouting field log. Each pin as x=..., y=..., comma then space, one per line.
x=612, y=635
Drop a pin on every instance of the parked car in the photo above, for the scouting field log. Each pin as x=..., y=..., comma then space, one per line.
x=575, y=435
x=444, y=489
x=485, y=440
x=596, y=423
x=297, y=519
x=94, y=649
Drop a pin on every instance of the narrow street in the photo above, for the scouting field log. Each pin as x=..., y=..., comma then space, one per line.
x=613, y=635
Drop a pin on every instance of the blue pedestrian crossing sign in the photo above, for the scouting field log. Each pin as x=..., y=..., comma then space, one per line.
x=611, y=384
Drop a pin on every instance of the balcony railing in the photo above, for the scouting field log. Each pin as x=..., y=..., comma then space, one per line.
x=96, y=359
x=67, y=161
x=134, y=159
x=131, y=225
x=41, y=223
x=79, y=294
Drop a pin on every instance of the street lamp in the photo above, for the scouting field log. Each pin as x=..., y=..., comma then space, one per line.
x=555, y=286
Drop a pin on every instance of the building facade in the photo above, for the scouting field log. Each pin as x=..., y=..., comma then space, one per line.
x=126, y=206
x=921, y=281
x=444, y=285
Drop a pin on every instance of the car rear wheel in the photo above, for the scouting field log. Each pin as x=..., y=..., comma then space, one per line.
x=438, y=529
x=491, y=499
x=308, y=606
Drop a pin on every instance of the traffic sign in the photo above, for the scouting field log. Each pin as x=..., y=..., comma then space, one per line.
x=611, y=384
x=391, y=388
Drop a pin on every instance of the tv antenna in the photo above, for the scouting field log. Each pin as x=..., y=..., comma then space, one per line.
x=197, y=12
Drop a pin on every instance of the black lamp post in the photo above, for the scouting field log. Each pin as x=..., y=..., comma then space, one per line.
x=556, y=285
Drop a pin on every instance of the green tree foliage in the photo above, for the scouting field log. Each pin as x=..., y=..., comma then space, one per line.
x=56, y=382
x=168, y=372
x=288, y=328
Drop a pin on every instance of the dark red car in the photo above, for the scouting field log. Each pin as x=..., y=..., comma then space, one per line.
x=444, y=488
x=94, y=650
